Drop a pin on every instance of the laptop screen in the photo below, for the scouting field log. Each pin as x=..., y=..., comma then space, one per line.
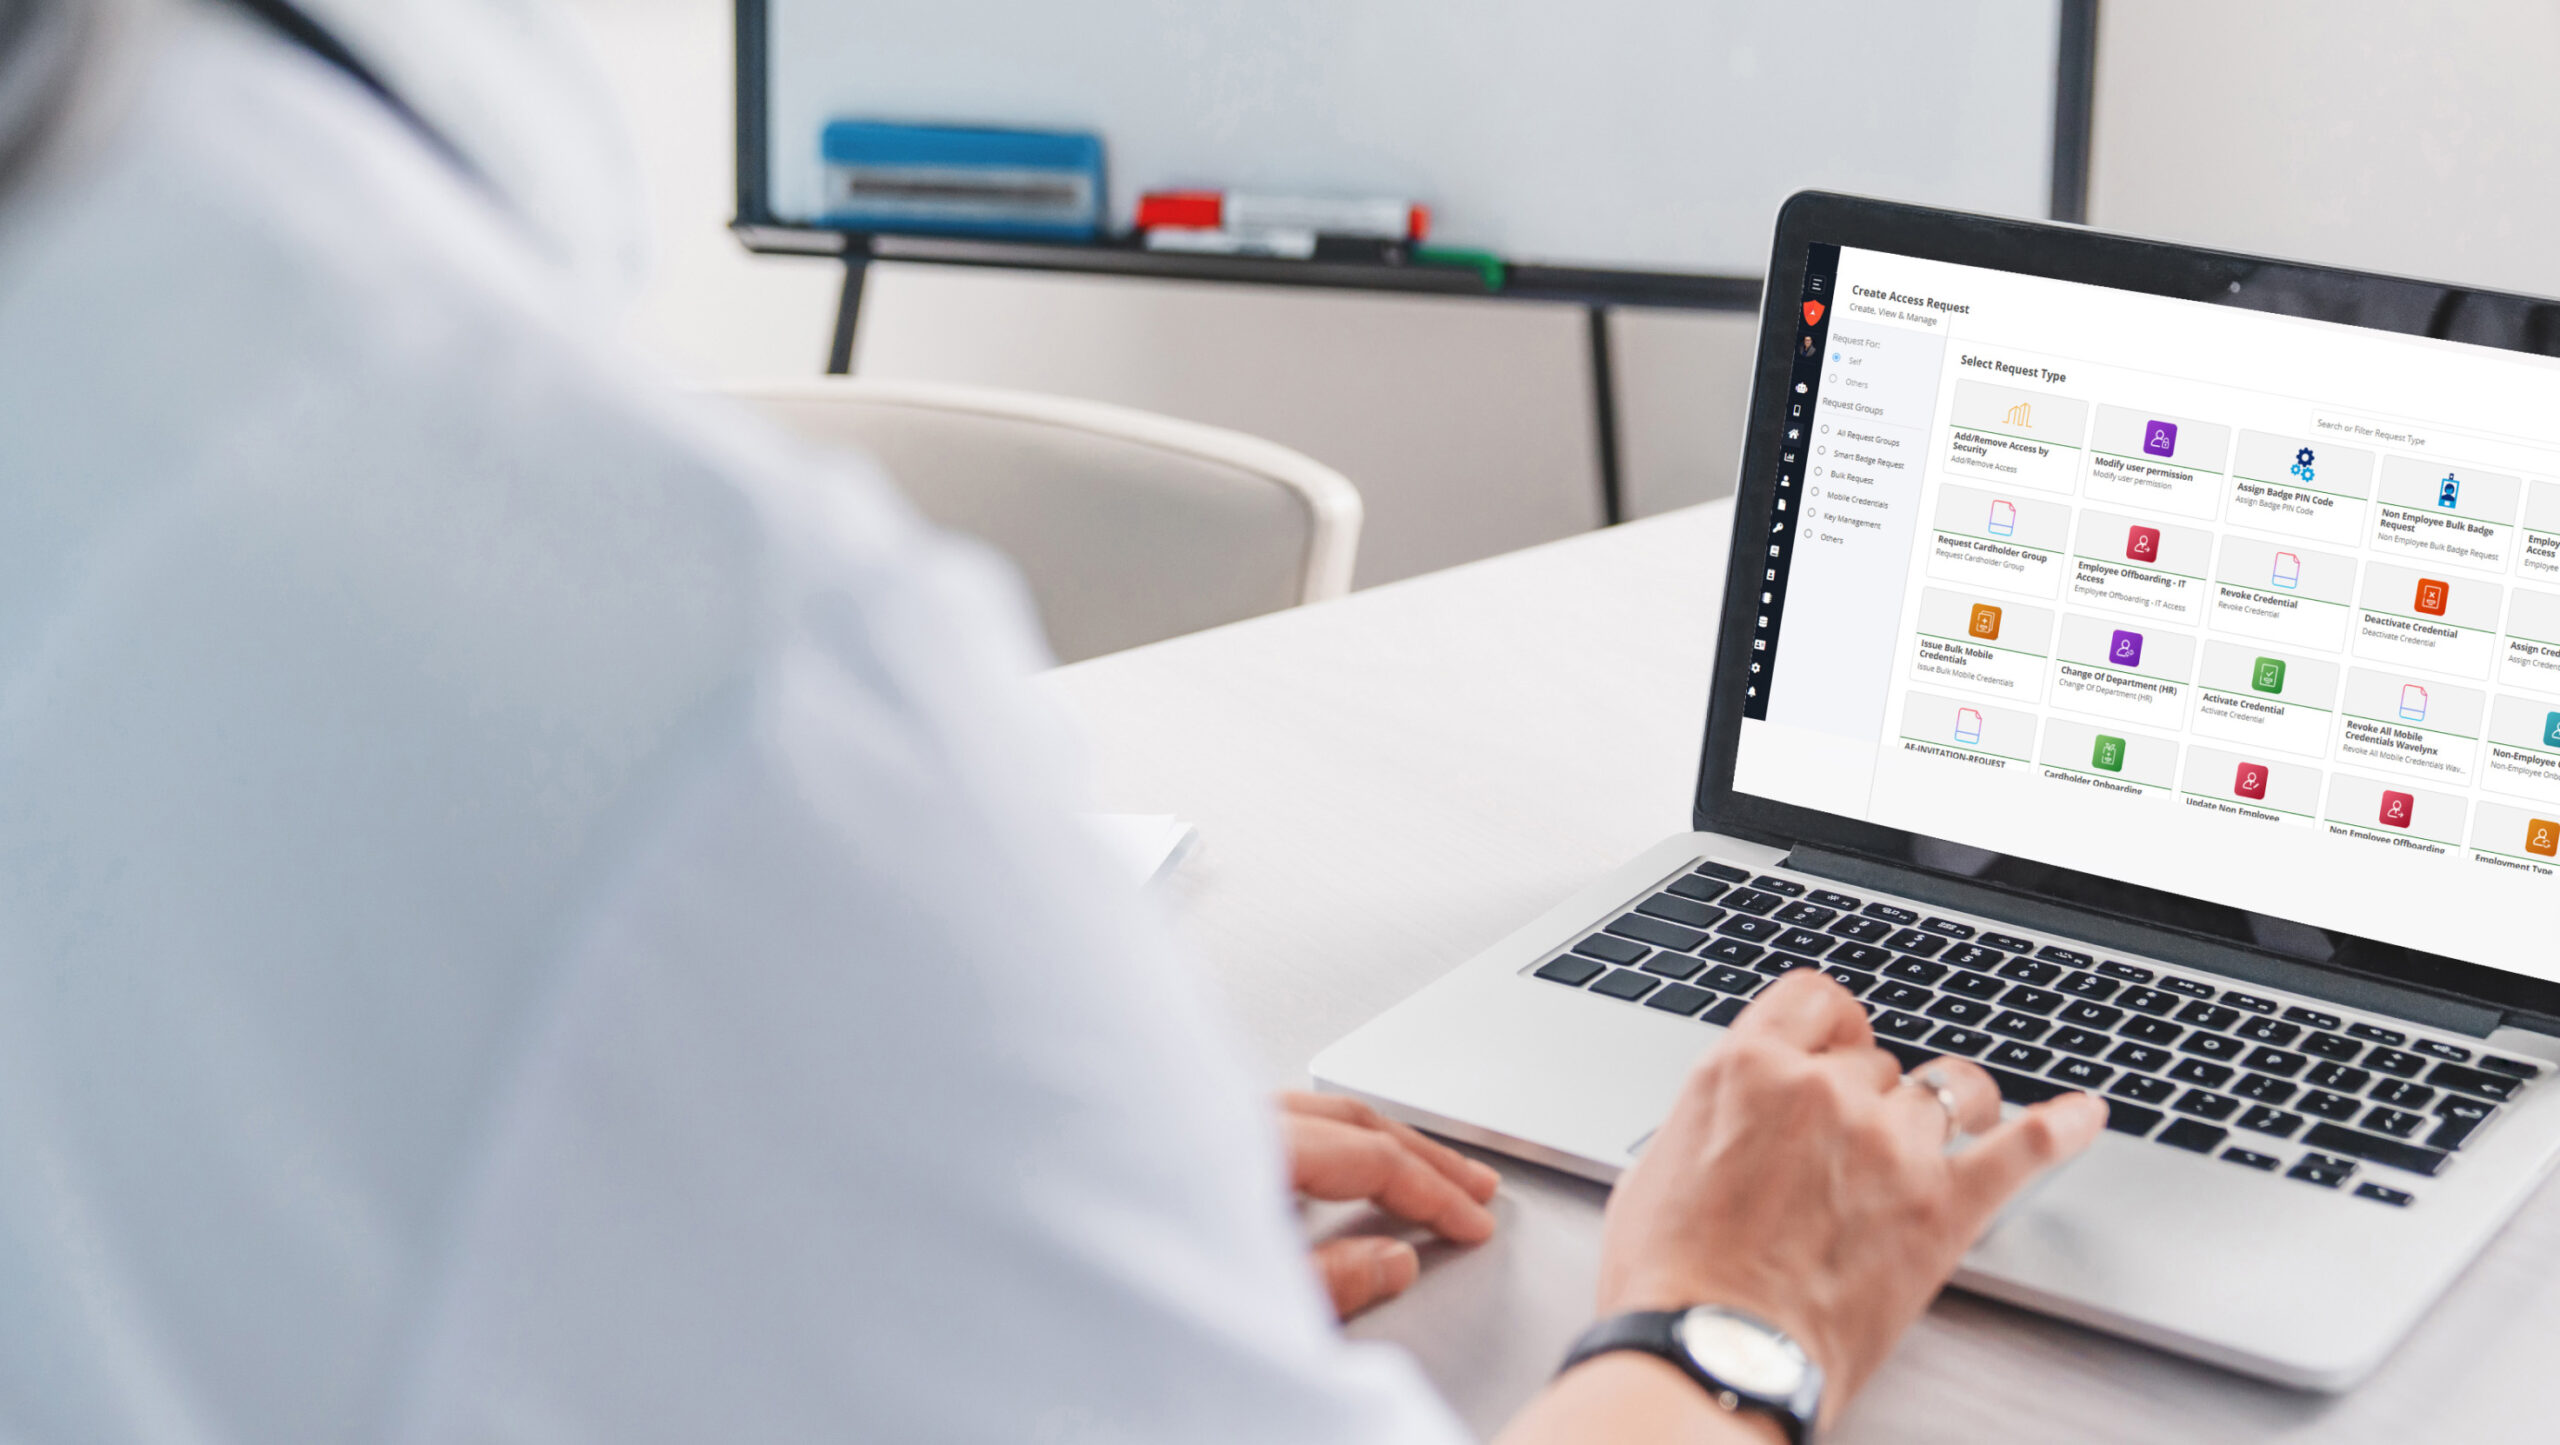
x=2249, y=608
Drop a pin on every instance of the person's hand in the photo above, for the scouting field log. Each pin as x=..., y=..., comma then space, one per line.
x=1798, y=1180
x=1343, y=1149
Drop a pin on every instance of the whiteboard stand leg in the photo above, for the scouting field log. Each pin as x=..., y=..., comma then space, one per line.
x=848, y=314
x=1604, y=419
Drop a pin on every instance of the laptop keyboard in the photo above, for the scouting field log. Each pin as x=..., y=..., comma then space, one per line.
x=2246, y=1075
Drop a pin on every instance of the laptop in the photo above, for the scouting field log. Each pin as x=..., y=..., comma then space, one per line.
x=2139, y=672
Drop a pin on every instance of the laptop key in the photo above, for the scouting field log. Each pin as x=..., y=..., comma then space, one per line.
x=1974, y=985
x=1683, y=910
x=1674, y=965
x=2393, y=1197
x=2374, y=1149
x=2262, y=1089
x=2056, y=953
x=2140, y=1056
x=2338, y=1077
x=1861, y=955
x=1725, y=871
x=2142, y=1088
x=2375, y=1033
x=1787, y=886
x=2129, y=972
x=2188, y=1134
x=1615, y=950
x=1726, y=1011
x=2398, y=1123
x=2322, y=1170
x=2089, y=986
x=1900, y=995
x=1625, y=983
x=2191, y=987
x=1705, y=890
x=2328, y=1106
x=1573, y=971
x=2268, y=1031
x=2260, y=1119
x=2275, y=1061
x=2198, y=1071
x=2131, y=1119
x=2517, y=1067
x=1805, y=915
x=1902, y=1026
x=2152, y=1031
x=2393, y=1061
x=1829, y=899
x=2249, y=1001
x=1659, y=933
x=2147, y=1000
x=1959, y=1010
x=2311, y=1016
x=2019, y=1026
x=1974, y=956
x=2211, y=1046
x=1916, y=943
x=2017, y=1088
x=1901, y=917
x=1725, y=978
x=2006, y=943
x=2443, y=1050
x=1733, y=950
x=2092, y=1015
x=2332, y=1046
x=2208, y=1015
x=1752, y=900
x=2457, y=1120
x=2079, y=1041
x=1750, y=929
x=1801, y=940
x=2250, y=1160
x=2402, y=1094
x=1850, y=979
x=1778, y=965
x=1861, y=930
x=2205, y=1104
x=1679, y=998
x=1917, y=970
x=2031, y=970
x=2080, y=1073
x=2031, y=999
x=2019, y=1056
x=1949, y=927
x=2473, y=1081
x=1953, y=1040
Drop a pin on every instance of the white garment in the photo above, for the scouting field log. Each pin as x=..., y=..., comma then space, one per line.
x=527, y=912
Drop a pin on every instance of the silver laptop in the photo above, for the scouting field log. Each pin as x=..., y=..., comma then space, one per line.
x=2140, y=673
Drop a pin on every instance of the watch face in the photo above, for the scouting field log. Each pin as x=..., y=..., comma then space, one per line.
x=1744, y=1353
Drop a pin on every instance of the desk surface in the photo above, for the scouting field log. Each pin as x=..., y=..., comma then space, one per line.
x=1386, y=784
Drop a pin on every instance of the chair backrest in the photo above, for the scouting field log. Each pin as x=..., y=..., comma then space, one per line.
x=1129, y=527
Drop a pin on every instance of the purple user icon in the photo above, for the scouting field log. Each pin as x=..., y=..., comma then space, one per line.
x=2127, y=651
x=2160, y=438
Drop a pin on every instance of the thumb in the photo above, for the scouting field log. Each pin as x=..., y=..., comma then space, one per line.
x=1361, y=1270
x=2002, y=1161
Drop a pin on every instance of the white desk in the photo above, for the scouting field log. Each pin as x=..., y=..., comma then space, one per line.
x=1388, y=783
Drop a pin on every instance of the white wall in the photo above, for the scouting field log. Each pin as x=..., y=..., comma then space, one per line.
x=2415, y=138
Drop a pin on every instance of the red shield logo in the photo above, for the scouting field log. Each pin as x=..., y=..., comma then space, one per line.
x=1813, y=313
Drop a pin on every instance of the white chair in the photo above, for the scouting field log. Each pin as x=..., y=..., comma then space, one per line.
x=1129, y=527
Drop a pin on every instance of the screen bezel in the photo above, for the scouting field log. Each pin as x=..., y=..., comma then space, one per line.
x=2070, y=253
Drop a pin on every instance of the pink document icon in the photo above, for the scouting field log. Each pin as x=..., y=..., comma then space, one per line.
x=1968, y=725
x=2004, y=519
x=2288, y=571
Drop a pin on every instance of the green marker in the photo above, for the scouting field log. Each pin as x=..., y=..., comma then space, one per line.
x=1483, y=263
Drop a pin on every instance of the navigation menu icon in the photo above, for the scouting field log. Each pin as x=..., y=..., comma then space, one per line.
x=2397, y=808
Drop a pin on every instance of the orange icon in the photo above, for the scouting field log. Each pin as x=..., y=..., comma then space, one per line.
x=2542, y=838
x=2431, y=596
x=1986, y=622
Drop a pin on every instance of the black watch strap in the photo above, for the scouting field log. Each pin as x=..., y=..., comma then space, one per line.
x=1657, y=1332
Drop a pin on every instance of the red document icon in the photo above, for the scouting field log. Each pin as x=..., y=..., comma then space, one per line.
x=2250, y=781
x=2431, y=596
x=2142, y=544
x=2396, y=808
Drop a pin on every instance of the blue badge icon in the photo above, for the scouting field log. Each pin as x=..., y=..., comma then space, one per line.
x=2449, y=492
x=2302, y=461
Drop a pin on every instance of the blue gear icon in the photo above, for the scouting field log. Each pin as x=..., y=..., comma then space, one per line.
x=2302, y=458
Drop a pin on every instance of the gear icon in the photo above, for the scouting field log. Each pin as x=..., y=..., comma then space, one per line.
x=2302, y=458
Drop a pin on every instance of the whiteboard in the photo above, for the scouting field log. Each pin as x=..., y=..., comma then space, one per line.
x=1647, y=135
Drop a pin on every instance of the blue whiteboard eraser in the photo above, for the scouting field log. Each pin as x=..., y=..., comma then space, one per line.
x=962, y=180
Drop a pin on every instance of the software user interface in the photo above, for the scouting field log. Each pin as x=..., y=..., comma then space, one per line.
x=2252, y=608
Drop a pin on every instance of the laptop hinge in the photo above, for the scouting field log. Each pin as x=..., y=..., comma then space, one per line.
x=2157, y=943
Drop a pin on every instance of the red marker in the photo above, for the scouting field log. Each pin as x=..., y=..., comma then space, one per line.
x=1236, y=212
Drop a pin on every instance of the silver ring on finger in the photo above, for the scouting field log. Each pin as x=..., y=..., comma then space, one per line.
x=1934, y=1080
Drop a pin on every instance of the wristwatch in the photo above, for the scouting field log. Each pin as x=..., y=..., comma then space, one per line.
x=1746, y=1363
